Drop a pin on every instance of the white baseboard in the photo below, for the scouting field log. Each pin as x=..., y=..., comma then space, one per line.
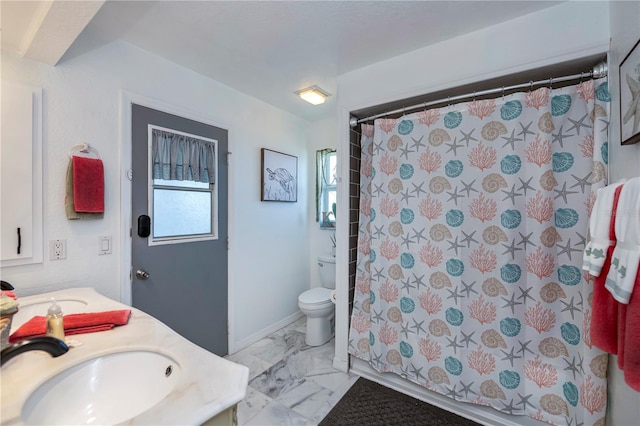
x=241, y=344
x=479, y=414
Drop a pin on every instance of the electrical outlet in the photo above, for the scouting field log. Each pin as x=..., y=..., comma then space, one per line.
x=57, y=249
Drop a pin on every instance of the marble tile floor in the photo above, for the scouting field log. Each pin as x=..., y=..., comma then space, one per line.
x=290, y=383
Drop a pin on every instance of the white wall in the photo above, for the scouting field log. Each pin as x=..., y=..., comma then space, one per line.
x=624, y=162
x=322, y=134
x=269, y=255
x=568, y=31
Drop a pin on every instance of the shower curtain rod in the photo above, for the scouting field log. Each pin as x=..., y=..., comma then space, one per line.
x=598, y=71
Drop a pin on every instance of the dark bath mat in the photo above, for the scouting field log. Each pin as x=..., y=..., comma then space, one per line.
x=371, y=404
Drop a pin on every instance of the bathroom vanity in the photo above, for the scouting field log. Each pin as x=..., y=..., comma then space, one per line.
x=139, y=373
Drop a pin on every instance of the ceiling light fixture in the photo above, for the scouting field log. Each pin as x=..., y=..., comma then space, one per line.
x=314, y=95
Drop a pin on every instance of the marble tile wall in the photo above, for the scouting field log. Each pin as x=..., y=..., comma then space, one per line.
x=290, y=383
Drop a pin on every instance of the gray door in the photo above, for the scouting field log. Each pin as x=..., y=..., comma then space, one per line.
x=186, y=286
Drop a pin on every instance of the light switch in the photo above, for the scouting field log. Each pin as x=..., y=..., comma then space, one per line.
x=104, y=244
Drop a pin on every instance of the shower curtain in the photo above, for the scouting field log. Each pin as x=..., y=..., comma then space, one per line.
x=473, y=219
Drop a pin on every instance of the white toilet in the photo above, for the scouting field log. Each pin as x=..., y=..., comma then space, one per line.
x=316, y=304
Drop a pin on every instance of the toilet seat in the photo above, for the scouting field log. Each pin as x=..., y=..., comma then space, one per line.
x=315, y=297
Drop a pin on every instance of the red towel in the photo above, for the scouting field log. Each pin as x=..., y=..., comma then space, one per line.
x=10, y=293
x=88, y=185
x=631, y=339
x=604, y=318
x=74, y=324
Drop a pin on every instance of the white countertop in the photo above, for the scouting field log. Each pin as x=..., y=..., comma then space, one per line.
x=207, y=386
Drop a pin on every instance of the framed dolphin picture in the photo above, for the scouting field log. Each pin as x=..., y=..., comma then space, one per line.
x=279, y=176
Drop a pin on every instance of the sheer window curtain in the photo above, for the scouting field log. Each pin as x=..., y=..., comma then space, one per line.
x=179, y=157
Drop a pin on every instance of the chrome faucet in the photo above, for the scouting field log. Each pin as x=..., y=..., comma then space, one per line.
x=51, y=345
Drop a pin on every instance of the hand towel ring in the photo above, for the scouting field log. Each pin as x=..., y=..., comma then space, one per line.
x=84, y=148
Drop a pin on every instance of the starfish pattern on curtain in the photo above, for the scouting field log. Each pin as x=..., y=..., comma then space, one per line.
x=473, y=219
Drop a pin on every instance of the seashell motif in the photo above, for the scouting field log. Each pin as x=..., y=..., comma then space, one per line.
x=453, y=365
x=570, y=333
x=395, y=186
x=438, y=136
x=439, y=232
x=491, y=339
x=394, y=357
x=405, y=127
x=602, y=92
x=598, y=366
x=552, y=347
x=598, y=111
x=407, y=305
x=453, y=168
x=406, y=350
x=394, y=143
x=490, y=389
x=511, y=110
x=604, y=151
x=560, y=104
x=493, y=287
x=454, y=316
x=492, y=130
x=601, y=422
x=438, y=184
x=545, y=123
x=406, y=171
x=363, y=345
x=372, y=339
x=452, y=119
x=372, y=297
x=372, y=215
x=562, y=161
x=549, y=237
x=493, y=182
x=571, y=394
x=407, y=216
x=395, y=272
x=455, y=267
x=551, y=292
x=394, y=314
x=510, y=327
x=569, y=275
x=407, y=261
x=493, y=235
x=548, y=180
x=509, y=379
x=439, y=280
x=553, y=404
x=372, y=256
x=454, y=217
x=510, y=164
x=366, y=306
x=510, y=219
x=566, y=218
x=438, y=376
x=599, y=172
x=395, y=228
x=510, y=273
x=438, y=328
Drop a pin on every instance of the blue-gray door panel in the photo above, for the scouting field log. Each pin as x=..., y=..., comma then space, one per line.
x=187, y=284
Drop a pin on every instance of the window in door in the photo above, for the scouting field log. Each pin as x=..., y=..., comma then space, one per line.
x=182, y=192
x=326, y=181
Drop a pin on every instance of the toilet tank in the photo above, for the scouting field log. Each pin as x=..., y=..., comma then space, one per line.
x=327, y=268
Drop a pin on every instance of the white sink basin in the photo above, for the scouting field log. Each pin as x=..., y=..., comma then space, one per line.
x=105, y=390
x=26, y=311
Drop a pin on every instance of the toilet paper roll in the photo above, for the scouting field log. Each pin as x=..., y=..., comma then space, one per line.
x=332, y=296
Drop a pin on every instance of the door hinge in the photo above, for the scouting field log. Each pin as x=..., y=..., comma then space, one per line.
x=227, y=243
x=228, y=157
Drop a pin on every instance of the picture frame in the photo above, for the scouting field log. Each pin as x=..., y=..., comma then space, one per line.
x=279, y=180
x=630, y=97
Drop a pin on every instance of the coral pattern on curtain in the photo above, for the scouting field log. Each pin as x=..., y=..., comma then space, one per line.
x=473, y=219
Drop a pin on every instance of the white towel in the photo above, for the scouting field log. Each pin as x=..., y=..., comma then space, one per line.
x=595, y=252
x=626, y=255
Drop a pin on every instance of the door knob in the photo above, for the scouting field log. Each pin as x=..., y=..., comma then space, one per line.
x=141, y=274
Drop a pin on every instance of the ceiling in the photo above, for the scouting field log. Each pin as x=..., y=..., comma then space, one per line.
x=266, y=49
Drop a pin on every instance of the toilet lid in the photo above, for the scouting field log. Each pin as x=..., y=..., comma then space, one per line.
x=315, y=295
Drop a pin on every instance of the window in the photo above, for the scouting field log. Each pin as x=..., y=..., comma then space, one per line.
x=182, y=190
x=326, y=188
